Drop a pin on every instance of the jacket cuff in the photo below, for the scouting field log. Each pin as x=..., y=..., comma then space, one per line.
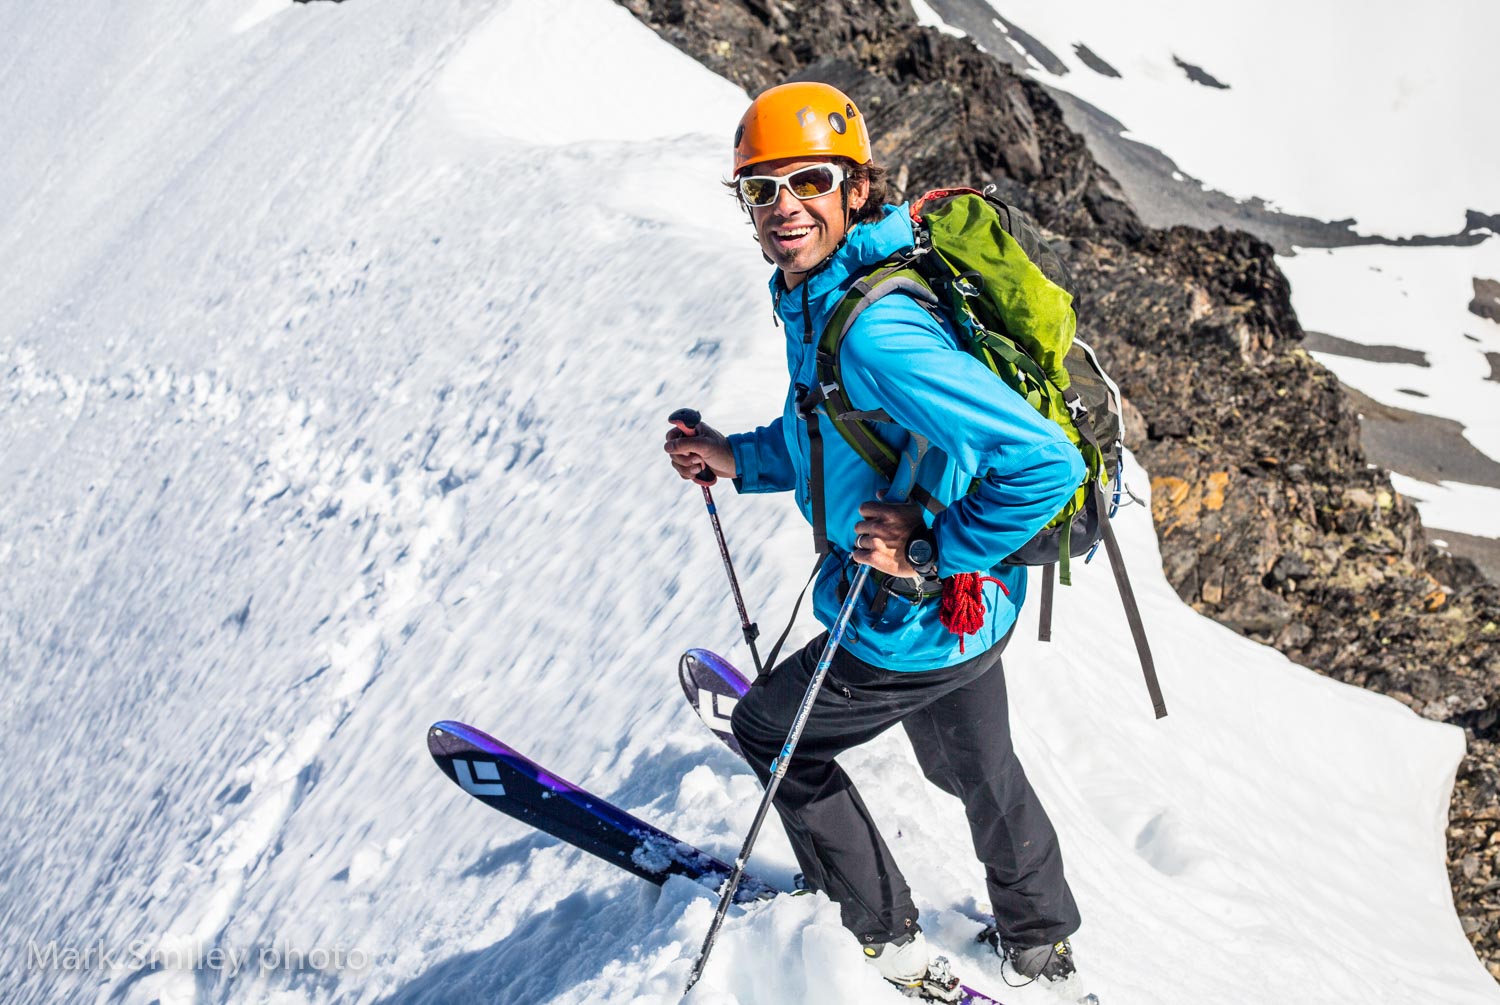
x=746, y=462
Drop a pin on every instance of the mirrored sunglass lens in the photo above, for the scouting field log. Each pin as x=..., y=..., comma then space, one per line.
x=758, y=191
x=811, y=182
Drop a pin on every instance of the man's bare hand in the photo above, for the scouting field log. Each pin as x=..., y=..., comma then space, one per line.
x=882, y=536
x=708, y=449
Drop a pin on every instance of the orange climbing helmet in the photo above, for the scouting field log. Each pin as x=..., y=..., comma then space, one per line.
x=805, y=119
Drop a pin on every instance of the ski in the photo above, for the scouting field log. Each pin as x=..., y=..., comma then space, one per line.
x=503, y=779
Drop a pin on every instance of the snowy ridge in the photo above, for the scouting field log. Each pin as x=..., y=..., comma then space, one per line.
x=333, y=399
x=1322, y=111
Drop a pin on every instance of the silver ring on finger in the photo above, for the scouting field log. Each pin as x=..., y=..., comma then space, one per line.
x=859, y=542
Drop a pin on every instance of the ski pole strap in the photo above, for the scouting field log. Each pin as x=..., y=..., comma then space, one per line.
x=776, y=649
x=1132, y=612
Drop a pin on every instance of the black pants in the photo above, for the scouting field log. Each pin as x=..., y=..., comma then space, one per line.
x=958, y=722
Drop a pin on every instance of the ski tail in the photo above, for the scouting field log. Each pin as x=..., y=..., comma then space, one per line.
x=502, y=778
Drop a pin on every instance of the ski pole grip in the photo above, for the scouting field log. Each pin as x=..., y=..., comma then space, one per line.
x=687, y=420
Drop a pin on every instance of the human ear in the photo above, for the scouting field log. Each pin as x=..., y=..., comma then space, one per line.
x=859, y=192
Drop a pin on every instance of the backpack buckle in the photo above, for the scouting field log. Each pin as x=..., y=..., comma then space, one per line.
x=967, y=284
x=921, y=240
x=810, y=401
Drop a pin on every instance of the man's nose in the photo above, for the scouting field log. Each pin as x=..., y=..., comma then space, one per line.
x=786, y=203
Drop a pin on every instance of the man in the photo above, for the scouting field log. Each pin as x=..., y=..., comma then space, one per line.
x=804, y=172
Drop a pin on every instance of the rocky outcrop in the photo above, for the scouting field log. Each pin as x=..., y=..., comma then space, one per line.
x=1475, y=220
x=1270, y=519
x=1486, y=302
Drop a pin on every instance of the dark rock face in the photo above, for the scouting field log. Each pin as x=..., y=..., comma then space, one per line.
x=1486, y=302
x=1198, y=75
x=1269, y=517
x=1476, y=220
x=1322, y=342
x=1431, y=448
x=926, y=129
x=1093, y=61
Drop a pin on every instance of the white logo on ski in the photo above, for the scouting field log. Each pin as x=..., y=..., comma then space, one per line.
x=708, y=710
x=486, y=770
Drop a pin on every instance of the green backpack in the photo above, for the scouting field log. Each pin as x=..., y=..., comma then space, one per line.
x=985, y=266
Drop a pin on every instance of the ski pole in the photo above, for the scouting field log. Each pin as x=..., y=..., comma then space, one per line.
x=687, y=420
x=778, y=770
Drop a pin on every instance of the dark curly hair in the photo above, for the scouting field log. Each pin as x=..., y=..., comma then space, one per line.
x=880, y=190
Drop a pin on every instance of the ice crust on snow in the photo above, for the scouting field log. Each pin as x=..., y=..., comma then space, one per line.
x=334, y=406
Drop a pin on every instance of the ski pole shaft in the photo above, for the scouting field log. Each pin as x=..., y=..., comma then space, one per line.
x=687, y=420
x=778, y=771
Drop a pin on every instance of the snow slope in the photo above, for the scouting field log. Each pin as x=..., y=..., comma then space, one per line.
x=337, y=343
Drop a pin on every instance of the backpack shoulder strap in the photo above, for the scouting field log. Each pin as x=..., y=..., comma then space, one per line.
x=854, y=426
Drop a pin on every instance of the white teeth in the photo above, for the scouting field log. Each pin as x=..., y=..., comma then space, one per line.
x=787, y=235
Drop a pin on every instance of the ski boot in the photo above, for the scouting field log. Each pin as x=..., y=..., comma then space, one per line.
x=904, y=962
x=1052, y=962
x=901, y=961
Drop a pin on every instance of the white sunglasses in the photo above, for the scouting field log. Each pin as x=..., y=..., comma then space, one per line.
x=805, y=183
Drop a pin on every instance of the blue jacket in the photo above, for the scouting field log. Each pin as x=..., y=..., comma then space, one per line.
x=899, y=358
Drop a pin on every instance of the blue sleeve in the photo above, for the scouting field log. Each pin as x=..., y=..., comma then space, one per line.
x=900, y=358
x=761, y=462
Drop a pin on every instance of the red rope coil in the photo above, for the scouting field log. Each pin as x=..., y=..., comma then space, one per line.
x=961, y=609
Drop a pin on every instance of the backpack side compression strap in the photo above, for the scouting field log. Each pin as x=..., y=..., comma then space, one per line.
x=1122, y=579
x=1132, y=612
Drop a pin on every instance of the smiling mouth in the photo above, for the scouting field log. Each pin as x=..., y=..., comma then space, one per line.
x=788, y=238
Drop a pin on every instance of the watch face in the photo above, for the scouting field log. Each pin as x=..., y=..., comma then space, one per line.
x=919, y=551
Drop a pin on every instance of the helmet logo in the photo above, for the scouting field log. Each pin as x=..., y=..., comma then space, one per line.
x=836, y=123
x=804, y=116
